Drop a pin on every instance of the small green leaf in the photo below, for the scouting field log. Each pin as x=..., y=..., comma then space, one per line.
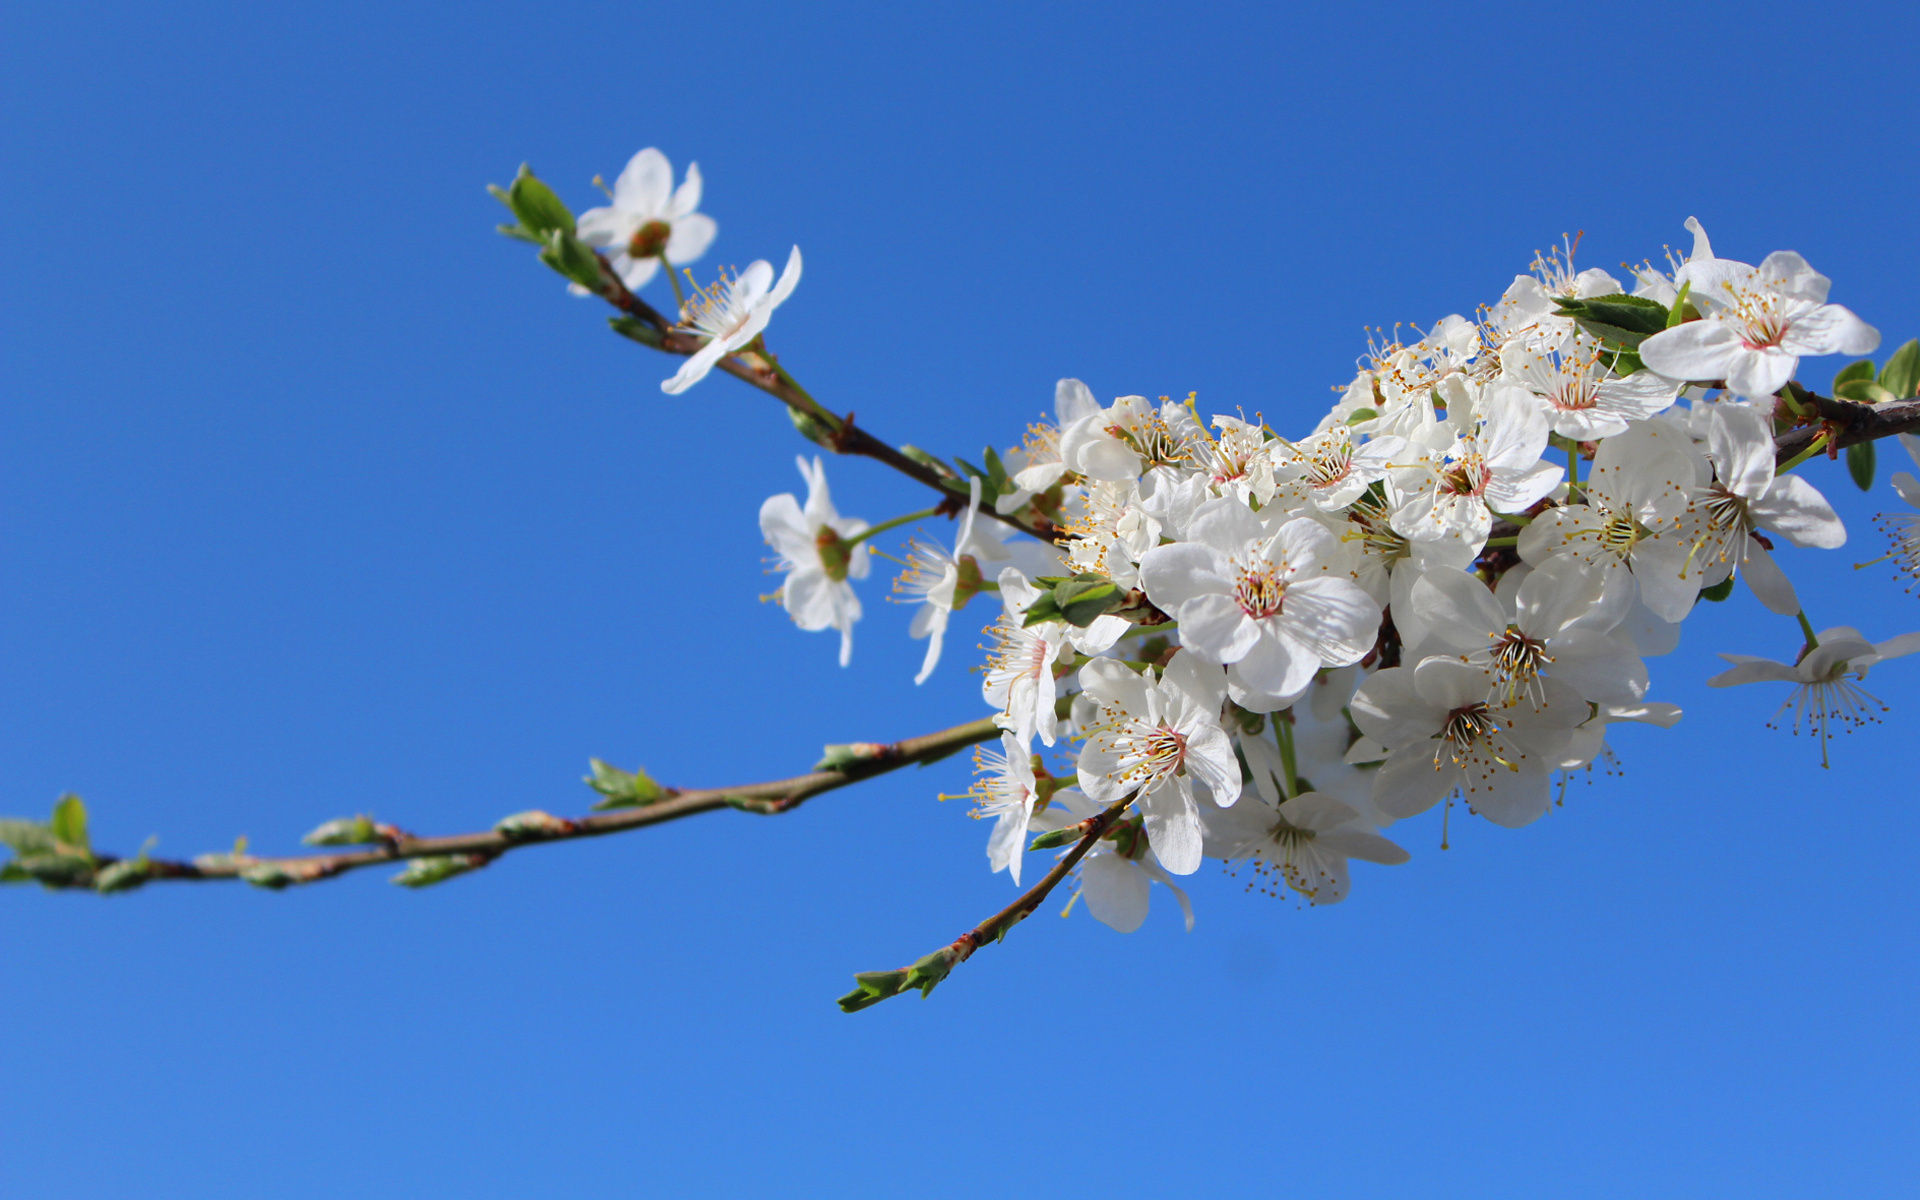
x=1361, y=414
x=1086, y=597
x=572, y=258
x=1863, y=391
x=996, y=483
x=929, y=971
x=875, y=986
x=640, y=331
x=1863, y=369
x=933, y=464
x=122, y=876
x=1901, y=375
x=534, y=204
x=1625, y=362
x=1056, y=838
x=1719, y=591
x=810, y=428
x=1042, y=609
x=1621, y=321
x=622, y=789
x=1678, y=314
x=1860, y=464
x=69, y=823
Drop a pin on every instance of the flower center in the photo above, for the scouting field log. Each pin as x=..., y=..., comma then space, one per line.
x=1619, y=534
x=1466, y=476
x=1517, y=663
x=1468, y=725
x=1260, y=592
x=835, y=553
x=649, y=240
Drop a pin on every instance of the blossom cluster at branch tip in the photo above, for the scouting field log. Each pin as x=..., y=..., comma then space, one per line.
x=1274, y=647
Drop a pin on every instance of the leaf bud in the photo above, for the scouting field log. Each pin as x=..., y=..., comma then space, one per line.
x=848, y=755
x=534, y=824
x=622, y=789
x=573, y=258
x=534, y=204
x=344, y=831
x=122, y=876
x=425, y=872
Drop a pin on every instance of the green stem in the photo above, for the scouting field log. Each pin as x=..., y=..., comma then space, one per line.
x=883, y=526
x=679, y=296
x=1806, y=627
x=1283, y=733
x=1573, y=466
x=1814, y=447
x=1504, y=541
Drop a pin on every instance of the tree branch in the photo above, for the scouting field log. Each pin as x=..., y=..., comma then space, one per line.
x=1850, y=423
x=459, y=852
x=840, y=434
x=876, y=986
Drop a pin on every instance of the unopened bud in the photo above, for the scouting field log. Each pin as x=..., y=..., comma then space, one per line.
x=122, y=876
x=852, y=754
x=425, y=872
x=534, y=824
x=344, y=831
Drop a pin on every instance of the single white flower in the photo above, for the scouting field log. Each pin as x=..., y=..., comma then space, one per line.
x=1527, y=312
x=1746, y=496
x=1003, y=789
x=1020, y=680
x=1306, y=841
x=648, y=218
x=730, y=313
x=1443, y=734
x=1635, y=503
x=1154, y=738
x=1115, y=875
x=1331, y=471
x=1564, y=613
x=1131, y=437
x=813, y=550
x=1263, y=600
x=1580, y=397
x=1238, y=463
x=941, y=582
x=1492, y=464
x=1825, y=680
x=1758, y=322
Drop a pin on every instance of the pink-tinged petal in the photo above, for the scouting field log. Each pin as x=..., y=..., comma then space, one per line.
x=646, y=185
x=1769, y=583
x=1389, y=710
x=789, y=279
x=1694, y=350
x=1760, y=372
x=1115, y=891
x=1176, y=574
x=690, y=238
x=1413, y=780
x=1797, y=511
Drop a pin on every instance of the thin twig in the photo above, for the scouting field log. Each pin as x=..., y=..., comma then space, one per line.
x=861, y=761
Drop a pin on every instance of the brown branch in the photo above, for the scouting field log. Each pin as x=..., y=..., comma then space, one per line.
x=1848, y=422
x=876, y=986
x=764, y=371
x=465, y=851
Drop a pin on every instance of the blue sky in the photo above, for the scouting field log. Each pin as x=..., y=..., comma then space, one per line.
x=316, y=497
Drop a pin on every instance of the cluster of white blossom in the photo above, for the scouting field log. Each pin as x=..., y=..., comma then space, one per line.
x=1279, y=646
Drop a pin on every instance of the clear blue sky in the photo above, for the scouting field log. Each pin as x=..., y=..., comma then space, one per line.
x=316, y=496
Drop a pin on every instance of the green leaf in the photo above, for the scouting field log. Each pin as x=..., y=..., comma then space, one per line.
x=13, y=872
x=1860, y=465
x=1361, y=414
x=1621, y=321
x=996, y=483
x=1678, y=314
x=1863, y=391
x=534, y=204
x=1085, y=597
x=1719, y=591
x=1863, y=369
x=1043, y=608
x=1901, y=375
x=1625, y=362
x=933, y=464
x=874, y=986
x=640, y=331
x=622, y=789
x=24, y=836
x=56, y=868
x=70, y=823
x=572, y=258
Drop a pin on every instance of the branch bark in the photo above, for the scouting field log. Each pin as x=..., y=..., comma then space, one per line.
x=470, y=850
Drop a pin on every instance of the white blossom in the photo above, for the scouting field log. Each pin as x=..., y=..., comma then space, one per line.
x=812, y=549
x=1306, y=841
x=1826, y=680
x=648, y=217
x=730, y=313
